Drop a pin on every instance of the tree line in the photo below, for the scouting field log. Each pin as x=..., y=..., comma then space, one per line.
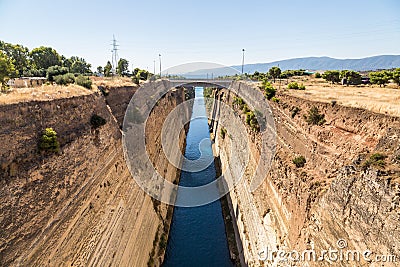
x=37, y=61
x=380, y=78
x=18, y=61
x=351, y=77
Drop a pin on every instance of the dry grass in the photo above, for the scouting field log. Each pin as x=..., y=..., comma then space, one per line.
x=112, y=82
x=380, y=100
x=44, y=92
x=49, y=92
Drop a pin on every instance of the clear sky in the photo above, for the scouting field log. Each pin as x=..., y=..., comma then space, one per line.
x=204, y=30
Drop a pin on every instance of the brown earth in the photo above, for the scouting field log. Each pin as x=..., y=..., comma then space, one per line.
x=334, y=196
x=79, y=207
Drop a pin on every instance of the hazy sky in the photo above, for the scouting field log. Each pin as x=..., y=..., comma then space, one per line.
x=204, y=30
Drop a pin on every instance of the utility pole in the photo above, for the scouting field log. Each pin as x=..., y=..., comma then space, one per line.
x=154, y=65
x=242, y=60
x=114, y=58
x=159, y=56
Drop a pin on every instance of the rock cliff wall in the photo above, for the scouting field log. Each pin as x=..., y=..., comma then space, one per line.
x=79, y=207
x=337, y=195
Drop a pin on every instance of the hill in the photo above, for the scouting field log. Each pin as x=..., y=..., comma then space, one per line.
x=309, y=63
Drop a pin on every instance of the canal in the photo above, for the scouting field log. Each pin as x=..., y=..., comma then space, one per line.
x=197, y=235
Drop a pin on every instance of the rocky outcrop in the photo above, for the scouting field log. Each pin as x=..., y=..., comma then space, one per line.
x=335, y=196
x=78, y=207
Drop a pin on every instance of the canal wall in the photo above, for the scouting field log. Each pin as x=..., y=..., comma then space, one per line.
x=80, y=207
x=338, y=195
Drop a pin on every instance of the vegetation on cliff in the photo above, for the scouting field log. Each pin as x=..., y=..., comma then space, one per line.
x=375, y=160
x=314, y=117
x=48, y=141
x=269, y=90
x=97, y=121
x=299, y=161
x=251, y=118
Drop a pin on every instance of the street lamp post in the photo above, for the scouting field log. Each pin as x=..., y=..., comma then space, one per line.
x=242, y=60
x=159, y=56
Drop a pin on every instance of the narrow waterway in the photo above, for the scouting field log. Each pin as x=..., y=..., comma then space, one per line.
x=197, y=236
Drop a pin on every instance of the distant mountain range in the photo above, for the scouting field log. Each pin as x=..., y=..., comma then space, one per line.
x=307, y=63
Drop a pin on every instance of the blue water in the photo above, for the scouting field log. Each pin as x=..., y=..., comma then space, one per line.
x=197, y=236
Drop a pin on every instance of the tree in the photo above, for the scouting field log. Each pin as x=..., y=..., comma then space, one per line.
x=54, y=71
x=274, y=72
x=141, y=74
x=122, y=68
x=351, y=76
x=331, y=76
x=379, y=77
x=44, y=57
x=6, y=68
x=18, y=55
x=396, y=76
x=100, y=70
x=107, y=69
x=66, y=62
x=79, y=65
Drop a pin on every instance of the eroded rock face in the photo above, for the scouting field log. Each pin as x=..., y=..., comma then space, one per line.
x=334, y=196
x=79, y=207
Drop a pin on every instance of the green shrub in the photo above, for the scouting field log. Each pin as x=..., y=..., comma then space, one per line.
x=296, y=86
x=269, y=90
x=249, y=116
x=163, y=241
x=251, y=120
x=293, y=85
x=96, y=121
x=135, y=80
x=48, y=141
x=223, y=132
x=64, y=79
x=314, y=117
x=275, y=99
x=55, y=71
x=376, y=160
x=239, y=102
x=318, y=75
x=245, y=108
x=208, y=92
x=299, y=161
x=83, y=81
